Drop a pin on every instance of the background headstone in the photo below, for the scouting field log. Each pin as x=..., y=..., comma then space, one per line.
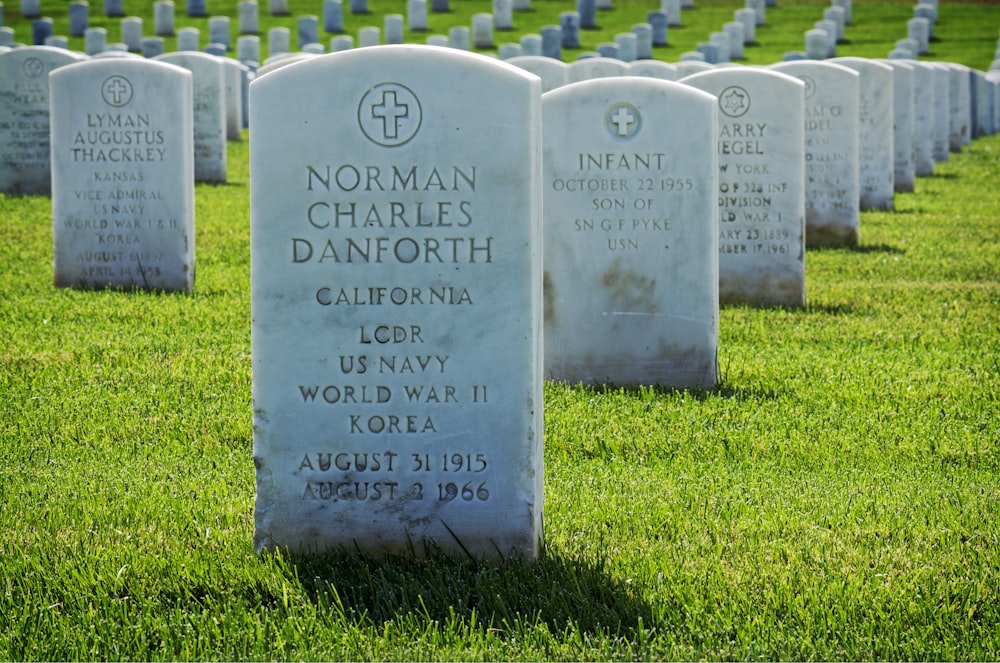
x=833, y=215
x=208, y=83
x=163, y=18
x=248, y=14
x=876, y=154
x=122, y=175
x=552, y=72
x=630, y=234
x=761, y=178
x=25, y=164
x=379, y=421
x=904, y=172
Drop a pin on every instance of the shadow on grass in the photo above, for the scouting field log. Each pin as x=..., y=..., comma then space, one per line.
x=503, y=597
x=861, y=248
x=721, y=390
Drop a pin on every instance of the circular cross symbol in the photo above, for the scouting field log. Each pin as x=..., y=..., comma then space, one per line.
x=622, y=120
x=389, y=114
x=116, y=91
x=810, y=86
x=734, y=101
x=33, y=67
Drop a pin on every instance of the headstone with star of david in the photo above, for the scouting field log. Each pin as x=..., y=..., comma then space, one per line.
x=396, y=295
x=209, y=112
x=761, y=196
x=875, y=132
x=122, y=175
x=24, y=117
x=630, y=233
x=833, y=215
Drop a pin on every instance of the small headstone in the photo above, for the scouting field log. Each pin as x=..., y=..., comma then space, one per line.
x=654, y=69
x=333, y=16
x=279, y=40
x=846, y=6
x=672, y=8
x=904, y=171
x=759, y=10
x=876, y=153
x=196, y=8
x=748, y=17
x=709, y=53
x=658, y=20
x=838, y=16
x=380, y=425
x=830, y=28
x=817, y=44
x=440, y=6
x=209, y=112
x=7, y=37
x=369, y=36
x=630, y=234
x=929, y=13
x=522, y=5
x=249, y=17
x=57, y=41
x=552, y=72
x=643, y=41
x=569, y=22
x=341, y=43
x=393, y=25
x=627, y=46
x=587, y=9
x=721, y=41
x=122, y=176
x=482, y=30
x=277, y=7
x=833, y=213
x=552, y=38
x=31, y=8
x=113, y=8
x=188, y=39
x=508, y=50
x=691, y=65
x=95, y=40
x=531, y=44
x=919, y=30
x=232, y=72
x=248, y=48
x=132, y=33
x=503, y=14
x=41, y=29
x=308, y=30
x=359, y=7
x=595, y=67
x=79, y=18
x=314, y=48
x=216, y=49
x=981, y=98
x=459, y=37
x=609, y=50
x=761, y=194
x=218, y=31
x=416, y=15
x=163, y=18
x=152, y=46
x=736, y=33
x=25, y=164
x=440, y=41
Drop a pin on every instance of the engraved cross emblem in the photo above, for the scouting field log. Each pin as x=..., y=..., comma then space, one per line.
x=390, y=111
x=622, y=119
x=116, y=90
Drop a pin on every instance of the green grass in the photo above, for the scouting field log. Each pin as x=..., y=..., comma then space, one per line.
x=835, y=498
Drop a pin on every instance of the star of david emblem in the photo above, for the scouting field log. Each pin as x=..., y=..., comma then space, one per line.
x=33, y=68
x=734, y=101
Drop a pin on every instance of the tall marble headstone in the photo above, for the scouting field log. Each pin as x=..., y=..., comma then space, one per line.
x=122, y=175
x=923, y=118
x=761, y=195
x=631, y=257
x=394, y=241
x=904, y=172
x=209, y=112
x=875, y=132
x=551, y=71
x=24, y=117
x=833, y=215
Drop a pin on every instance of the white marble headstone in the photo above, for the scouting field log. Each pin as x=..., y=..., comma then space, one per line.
x=123, y=175
x=396, y=303
x=631, y=257
x=761, y=195
x=875, y=132
x=904, y=171
x=209, y=112
x=833, y=215
x=24, y=116
x=551, y=71
x=599, y=67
